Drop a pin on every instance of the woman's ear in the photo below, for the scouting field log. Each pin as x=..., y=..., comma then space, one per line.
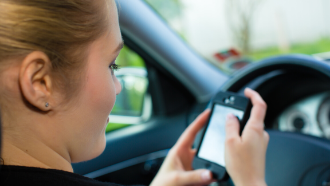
x=35, y=80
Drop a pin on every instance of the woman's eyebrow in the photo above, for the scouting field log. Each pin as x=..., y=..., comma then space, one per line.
x=120, y=46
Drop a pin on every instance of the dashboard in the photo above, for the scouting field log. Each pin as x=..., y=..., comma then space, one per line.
x=296, y=89
x=310, y=116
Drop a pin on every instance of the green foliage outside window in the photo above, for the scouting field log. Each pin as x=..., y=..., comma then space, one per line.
x=128, y=58
x=318, y=46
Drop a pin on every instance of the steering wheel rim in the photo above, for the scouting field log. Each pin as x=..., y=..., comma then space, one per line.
x=292, y=159
x=300, y=61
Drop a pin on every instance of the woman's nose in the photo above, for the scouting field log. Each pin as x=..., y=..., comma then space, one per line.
x=118, y=87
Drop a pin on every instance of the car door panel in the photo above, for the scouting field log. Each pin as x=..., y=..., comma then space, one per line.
x=159, y=133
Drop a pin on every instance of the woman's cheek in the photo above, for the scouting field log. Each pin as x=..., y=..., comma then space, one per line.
x=103, y=95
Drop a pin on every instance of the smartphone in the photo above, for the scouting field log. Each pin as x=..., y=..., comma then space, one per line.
x=211, y=146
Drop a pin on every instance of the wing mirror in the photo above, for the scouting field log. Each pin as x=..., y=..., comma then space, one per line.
x=133, y=105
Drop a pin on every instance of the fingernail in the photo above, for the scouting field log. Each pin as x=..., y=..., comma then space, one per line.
x=206, y=175
x=230, y=116
x=247, y=88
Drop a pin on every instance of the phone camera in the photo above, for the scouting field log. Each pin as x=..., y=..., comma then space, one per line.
x=229, y=100
x=232, y=98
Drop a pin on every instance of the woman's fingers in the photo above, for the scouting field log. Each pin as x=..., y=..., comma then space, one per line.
x=188, y=136
x=196, y=177
x=258, y=111
x=176, y=168
x=266, y=137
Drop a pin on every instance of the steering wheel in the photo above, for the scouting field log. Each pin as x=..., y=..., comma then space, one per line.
x=292, y=159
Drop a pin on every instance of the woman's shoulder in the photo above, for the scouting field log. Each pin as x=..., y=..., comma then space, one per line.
x=20, y=175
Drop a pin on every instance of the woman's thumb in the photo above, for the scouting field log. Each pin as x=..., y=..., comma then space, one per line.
x=195, y=177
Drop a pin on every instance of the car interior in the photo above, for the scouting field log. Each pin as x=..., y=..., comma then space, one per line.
x=295, y=88
x=182, y=84
x=296, y=155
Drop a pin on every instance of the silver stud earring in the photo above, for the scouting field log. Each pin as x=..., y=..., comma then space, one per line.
x=47, y=104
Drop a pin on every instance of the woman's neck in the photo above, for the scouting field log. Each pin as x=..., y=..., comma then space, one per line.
x=31, y=152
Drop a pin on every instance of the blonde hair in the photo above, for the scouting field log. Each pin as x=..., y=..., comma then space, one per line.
x=59, y=28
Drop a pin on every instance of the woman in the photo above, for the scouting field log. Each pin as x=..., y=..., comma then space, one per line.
x=57, y=89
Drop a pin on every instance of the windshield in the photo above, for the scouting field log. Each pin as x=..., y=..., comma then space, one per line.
x=231, y=34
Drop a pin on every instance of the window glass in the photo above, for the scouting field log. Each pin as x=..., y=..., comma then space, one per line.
x=130, y=107
x=231, y=34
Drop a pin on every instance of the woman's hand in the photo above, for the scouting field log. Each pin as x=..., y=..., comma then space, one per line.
x=245, y=155
x=176, y=169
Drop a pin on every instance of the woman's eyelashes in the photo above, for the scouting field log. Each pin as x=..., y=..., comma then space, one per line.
x=114, y=67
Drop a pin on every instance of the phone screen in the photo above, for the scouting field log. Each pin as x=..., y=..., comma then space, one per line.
x=212, y=147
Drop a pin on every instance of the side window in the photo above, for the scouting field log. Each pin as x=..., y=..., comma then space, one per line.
x=133, y=105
